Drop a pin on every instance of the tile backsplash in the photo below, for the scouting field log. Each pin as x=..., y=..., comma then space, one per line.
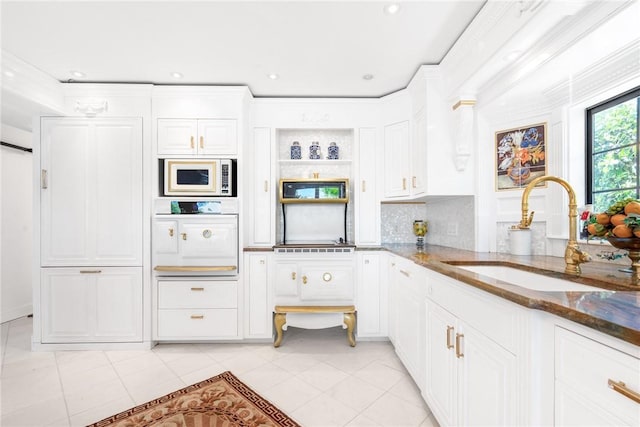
x=450, y=222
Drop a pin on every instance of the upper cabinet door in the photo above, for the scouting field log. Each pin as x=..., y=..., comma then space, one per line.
x=419, y=154
x=367, y=206
x=217, y=137
x=396, y=158
x=177, y=137
x=91, y=192
x=262, y=197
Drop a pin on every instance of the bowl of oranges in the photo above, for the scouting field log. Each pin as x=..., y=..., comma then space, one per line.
x=620, y=224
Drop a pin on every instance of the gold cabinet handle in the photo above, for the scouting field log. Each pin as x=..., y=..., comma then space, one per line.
x=413, y=182
x=197, y=316
x=404, y=183
x=622, y=388
x=201, y=141
x=266, y=186
x=406, y=273
x=197, y=289
x=184, y=236
x=44, y=179
x=449, y=337
x=293, y=275
x=192, y=143
x=459, y=350
x=327, y=277
x=304, y=280
x=90, y=271
x=171, y=232
x=364, y=186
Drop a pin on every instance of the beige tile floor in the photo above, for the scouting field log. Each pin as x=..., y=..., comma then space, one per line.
x=315, y=377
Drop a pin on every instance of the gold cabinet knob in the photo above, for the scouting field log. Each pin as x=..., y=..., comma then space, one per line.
x=304, y=280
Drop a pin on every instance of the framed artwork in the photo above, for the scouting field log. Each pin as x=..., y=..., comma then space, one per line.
x=520, y=156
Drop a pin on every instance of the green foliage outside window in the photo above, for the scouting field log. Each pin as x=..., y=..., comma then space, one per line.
x=614, y=152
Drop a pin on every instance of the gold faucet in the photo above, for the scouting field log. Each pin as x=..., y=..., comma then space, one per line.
x=573, y=256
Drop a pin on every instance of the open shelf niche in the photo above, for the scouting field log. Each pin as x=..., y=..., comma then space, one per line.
x=319, y=217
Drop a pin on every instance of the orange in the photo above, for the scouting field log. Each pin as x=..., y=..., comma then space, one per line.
x=632, y=207
x=596, y=229
x=602, y=218
x=618, y=219
x=622, y=231
x=636, y=231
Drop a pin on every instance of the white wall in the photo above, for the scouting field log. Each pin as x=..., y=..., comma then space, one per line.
x=16, y=228
x=598, y=66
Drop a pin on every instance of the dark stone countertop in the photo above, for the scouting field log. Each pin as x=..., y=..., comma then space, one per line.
x=615, y=310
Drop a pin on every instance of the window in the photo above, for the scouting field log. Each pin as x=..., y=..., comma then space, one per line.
x=612, y=151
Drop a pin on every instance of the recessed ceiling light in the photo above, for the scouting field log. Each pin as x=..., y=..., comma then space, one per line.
x=77, y=74
x=368, y=77
x=273, y=76
x=176, y=75
x=392, y=8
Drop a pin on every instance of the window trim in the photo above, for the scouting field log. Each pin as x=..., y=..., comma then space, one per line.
x=589, y=113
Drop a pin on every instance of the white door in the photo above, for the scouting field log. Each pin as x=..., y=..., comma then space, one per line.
x=66, y=187
x=368, y=298
x=217, y=137
x=165, y=237
x=115, y=204
x=91, y=304
x=261, y=216
x=488, y=393
x=207, y=239
x=326, y=281
x=177, y=137
x=440, y=387
x=258, y=296
x=91, y=192
x=396, y=157
x=419, y=154
x=367, y=208
x=286, y=279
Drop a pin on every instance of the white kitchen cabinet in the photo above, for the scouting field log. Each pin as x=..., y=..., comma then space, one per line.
x=419, y=154
x=258, y=306
x=91, y=192
x=471, y=371
x=367, y=205
x=397, y=173
x=371, y=294
x=91, y=304
x=202, y=137
x=261, y=204
x=409, y=320
x=586, y=373
x=314, y=280
x=196, y=309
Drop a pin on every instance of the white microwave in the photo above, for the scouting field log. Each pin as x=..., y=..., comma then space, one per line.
x=199, y=177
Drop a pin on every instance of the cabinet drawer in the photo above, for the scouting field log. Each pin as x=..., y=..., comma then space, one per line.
x=496, y=319
x=197, y=294
x=197, y=323
x=586, y=366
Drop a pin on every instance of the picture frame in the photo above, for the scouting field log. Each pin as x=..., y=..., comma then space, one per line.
x=520, y=156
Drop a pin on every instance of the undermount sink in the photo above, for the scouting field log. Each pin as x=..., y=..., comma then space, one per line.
x=527, y=279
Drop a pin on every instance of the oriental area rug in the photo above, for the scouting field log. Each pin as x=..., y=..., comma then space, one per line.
x=220, y=401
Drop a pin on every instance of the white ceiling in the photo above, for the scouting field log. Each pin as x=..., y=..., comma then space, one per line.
x=318, y=48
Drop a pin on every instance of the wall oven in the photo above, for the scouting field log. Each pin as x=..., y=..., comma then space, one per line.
x=192, y=238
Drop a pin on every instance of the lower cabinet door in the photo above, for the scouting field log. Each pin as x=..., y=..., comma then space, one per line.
x=92, y=304
x=488, y=393
x=194, y=324
x=440, y=386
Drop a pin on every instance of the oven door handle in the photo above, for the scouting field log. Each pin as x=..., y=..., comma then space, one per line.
x=195, y=269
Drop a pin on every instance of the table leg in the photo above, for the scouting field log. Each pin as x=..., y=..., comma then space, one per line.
x=350, y=321
x=278, y=321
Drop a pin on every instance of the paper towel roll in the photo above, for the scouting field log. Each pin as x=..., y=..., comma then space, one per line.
x=520, y=241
